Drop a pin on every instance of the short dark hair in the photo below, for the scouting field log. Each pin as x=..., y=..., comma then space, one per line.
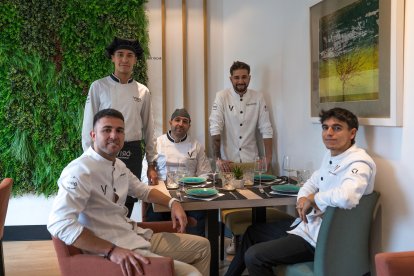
x=239, y=65
x=340, y=114
x=109, y=112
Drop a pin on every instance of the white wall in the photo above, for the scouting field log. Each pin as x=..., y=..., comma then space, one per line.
x=273, y=37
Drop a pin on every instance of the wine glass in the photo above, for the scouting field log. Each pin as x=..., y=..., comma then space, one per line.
x=260, y=166
x=287, y=166
x=214, y=169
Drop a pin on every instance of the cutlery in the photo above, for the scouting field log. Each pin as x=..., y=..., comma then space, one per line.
x=234, y=195
x=179, y=196
x=263, y=192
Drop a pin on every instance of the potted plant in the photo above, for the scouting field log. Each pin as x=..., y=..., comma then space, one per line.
x=238, y=181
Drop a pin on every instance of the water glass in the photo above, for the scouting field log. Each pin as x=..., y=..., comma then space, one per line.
x=171, y=179
x=248, y=177
x=302, y=176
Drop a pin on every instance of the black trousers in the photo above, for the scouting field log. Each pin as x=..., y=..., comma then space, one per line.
x=267, y=245
x=131, y=155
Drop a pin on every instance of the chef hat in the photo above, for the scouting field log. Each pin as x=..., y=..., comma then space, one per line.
x=120, y=43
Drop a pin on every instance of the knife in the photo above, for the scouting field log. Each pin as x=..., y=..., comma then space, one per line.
x=234, y=195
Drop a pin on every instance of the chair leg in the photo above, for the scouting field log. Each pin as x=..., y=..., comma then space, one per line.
x=222, y=229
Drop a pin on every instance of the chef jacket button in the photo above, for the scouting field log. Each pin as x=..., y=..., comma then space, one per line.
x=239, y=149
x=241, y=112
x=240, y=137
x=241, y=124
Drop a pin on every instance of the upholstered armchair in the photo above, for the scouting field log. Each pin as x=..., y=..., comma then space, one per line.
x=395, y=263
x=73, y=263
x=5, y=191
x=343, y=243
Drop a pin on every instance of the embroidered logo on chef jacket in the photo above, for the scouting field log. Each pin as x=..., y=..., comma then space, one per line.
x=124, y=154
x=231, y=107
x=104, y=189
x=354, y=171
x=71, y=183
x=137, y=99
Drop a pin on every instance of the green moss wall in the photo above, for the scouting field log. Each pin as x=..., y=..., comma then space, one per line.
x=50, y=52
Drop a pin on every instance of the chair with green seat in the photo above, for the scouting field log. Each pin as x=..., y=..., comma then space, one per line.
x=343, y=246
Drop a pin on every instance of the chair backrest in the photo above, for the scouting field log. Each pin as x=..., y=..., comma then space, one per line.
x=5, y=191
x=343, y=241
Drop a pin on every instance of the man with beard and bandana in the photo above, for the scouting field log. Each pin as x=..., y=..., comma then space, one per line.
x=178, y=149
x=120, y=91
x=237, y=115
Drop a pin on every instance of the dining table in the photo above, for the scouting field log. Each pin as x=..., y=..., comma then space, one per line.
x=248, y=197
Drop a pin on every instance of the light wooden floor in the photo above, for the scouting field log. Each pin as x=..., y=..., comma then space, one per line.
x=32, y=258
x=37, y=258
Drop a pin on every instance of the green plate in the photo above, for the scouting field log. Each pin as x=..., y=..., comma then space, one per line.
x=201, y=192
x=193, y=180
x=288, y=188
x=265, y=177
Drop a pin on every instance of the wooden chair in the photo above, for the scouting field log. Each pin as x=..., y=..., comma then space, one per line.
x=395, y=263
x=343, y=245
x=5, y=191
x=73, y=262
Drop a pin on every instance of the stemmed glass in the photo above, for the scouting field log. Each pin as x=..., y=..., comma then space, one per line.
x=214, y=170
x=260, y=166
x=287, y=166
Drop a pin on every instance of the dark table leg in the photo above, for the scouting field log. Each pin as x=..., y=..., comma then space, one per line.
x=213, y=237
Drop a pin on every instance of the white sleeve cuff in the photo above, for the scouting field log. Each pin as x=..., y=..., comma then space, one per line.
x=170, y=203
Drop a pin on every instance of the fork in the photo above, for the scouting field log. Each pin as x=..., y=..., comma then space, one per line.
x=263, y=191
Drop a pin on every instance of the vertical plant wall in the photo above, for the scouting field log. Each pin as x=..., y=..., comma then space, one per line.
x=50, y=52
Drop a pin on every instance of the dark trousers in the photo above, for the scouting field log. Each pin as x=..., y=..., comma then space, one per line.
x=267, y=245
x=131, y=155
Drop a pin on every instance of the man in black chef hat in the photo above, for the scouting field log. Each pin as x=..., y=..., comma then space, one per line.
x=119, y=91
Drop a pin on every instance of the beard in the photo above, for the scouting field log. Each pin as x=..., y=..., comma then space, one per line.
x=240, y=88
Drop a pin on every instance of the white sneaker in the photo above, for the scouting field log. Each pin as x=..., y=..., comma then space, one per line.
x=231, y=249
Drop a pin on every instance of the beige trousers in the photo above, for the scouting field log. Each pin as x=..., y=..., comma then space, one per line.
x=191, y=253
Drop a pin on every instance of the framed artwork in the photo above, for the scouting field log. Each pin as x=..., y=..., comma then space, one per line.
x=357, y=59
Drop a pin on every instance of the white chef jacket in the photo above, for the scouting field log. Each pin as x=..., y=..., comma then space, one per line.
x=237, y=119
x=340, y=182
x=187, y=153
x=132, y=99
x=86, y=199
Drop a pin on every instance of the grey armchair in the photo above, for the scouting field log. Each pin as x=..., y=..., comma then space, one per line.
x=342, y=248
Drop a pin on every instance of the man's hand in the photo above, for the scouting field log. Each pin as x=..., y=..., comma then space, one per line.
x=304, y=205
x=152, y=175
x=224, y=165
x=178, y=214
x=128, y=260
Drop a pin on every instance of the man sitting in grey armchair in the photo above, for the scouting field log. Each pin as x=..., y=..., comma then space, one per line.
x=346, y=174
